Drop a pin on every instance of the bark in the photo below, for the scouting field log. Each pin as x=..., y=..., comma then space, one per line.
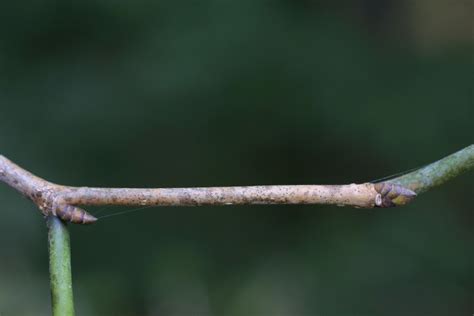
x=64, y=201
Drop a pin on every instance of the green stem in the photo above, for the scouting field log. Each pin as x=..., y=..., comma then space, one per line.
x=60, y=267
x=437, y=173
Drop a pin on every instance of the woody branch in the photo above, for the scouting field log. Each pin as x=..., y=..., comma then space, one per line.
x=63, y=201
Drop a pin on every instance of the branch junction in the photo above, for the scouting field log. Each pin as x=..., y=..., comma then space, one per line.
x=64, y=201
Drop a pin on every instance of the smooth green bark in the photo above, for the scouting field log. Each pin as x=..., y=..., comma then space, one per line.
x=60, y=268
x=438, y=172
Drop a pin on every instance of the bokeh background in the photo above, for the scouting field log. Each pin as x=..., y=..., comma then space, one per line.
x=200, y=93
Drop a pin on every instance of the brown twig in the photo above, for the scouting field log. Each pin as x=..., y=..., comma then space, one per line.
x=62, y=201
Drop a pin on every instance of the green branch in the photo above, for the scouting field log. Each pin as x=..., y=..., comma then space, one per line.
x=60, y=267
x=436, y=173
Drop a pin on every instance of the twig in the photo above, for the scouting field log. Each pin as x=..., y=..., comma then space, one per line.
x=60, y=267
x=438, y=172
x=62, y=201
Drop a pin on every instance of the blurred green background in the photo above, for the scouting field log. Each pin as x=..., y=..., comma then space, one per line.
x=200, y=93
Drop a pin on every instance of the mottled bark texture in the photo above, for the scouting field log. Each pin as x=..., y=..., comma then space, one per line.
x=63, y=201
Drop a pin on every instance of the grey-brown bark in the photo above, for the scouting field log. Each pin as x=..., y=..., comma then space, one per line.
x=63, y=201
